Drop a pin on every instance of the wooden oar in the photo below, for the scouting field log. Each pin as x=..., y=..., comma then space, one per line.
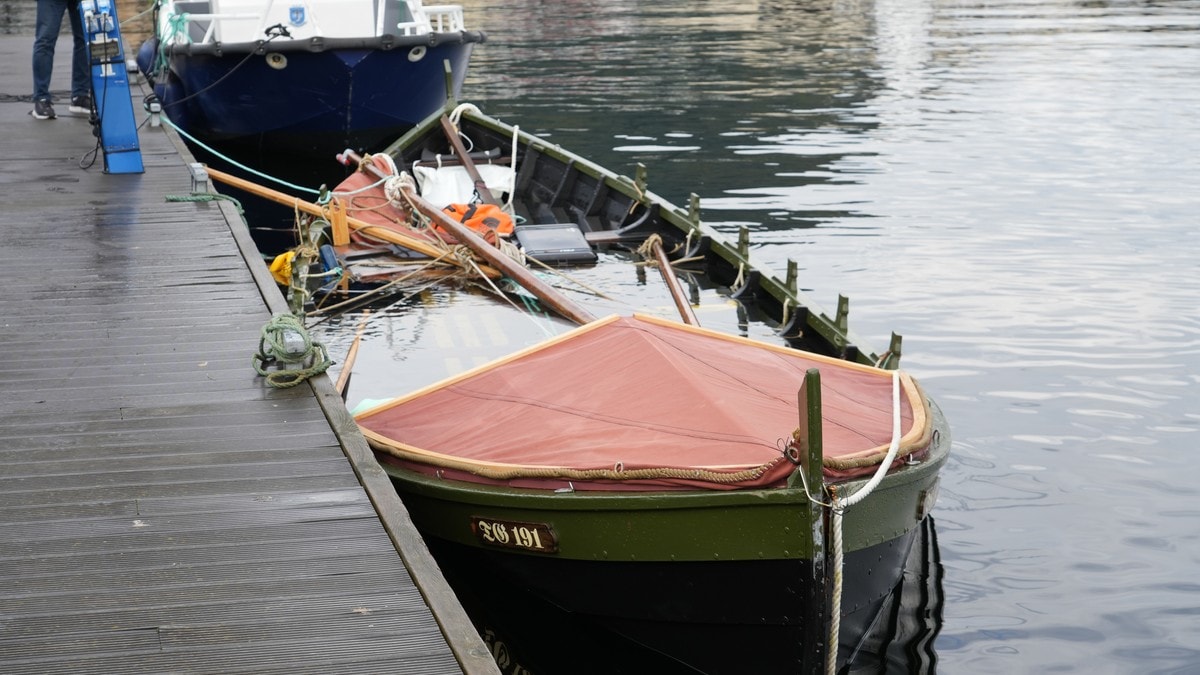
x=481, y=187
x=391, y=236
x=351, y=355
x=677, y=294
x=467, y=237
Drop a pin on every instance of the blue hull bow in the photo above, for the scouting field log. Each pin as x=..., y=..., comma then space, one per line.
x=306, y=102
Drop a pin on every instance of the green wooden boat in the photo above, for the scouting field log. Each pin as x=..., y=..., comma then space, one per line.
x=736, y=500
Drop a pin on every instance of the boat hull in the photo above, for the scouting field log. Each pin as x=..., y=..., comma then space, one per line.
x=526, y=634
x=736, y=581
x=713, y=617
x=303, y=102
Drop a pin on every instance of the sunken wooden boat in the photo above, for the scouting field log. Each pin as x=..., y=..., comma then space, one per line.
x=732, y=500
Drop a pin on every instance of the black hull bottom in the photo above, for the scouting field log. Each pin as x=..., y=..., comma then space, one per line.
x=902, y=640
x=549, y=615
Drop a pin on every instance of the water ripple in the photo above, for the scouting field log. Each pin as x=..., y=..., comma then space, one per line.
x=1008, y=184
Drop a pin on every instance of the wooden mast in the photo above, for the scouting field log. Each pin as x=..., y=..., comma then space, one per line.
x=389, y=235
x=481, y=187
x=677, y=294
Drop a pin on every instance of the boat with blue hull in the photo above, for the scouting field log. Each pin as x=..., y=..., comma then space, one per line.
x=304, y=78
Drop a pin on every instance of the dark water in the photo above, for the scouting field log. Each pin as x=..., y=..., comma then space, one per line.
x=1010, y=185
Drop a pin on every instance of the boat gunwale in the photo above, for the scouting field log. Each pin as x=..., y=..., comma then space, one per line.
x=686, y=222
x=443, y=508
x=319, y=44
x=617, y=500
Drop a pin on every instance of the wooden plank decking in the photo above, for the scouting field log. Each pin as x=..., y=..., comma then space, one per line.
x=161, y=508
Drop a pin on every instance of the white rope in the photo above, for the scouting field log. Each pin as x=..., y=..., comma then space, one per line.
x=349, y=193
x=457, y=113
x=511, y=250
x=393, y=189
x=891, y=454
x=835, y=614
x=512, y=176
x=839, y=506
x=387, y=159
x=391, y=163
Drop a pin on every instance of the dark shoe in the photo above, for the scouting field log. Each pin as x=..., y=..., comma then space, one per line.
x=42, y=110
x=81, y=105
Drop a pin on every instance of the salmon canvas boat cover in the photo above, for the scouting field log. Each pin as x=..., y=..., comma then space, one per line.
x=639, y=403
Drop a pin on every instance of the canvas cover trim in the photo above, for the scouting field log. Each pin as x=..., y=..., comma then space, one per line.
x=644, y=403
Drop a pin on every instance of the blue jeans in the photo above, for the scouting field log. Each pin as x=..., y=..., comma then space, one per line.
x=49, y=20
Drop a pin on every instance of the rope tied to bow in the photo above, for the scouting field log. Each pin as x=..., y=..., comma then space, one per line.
x=286, y=344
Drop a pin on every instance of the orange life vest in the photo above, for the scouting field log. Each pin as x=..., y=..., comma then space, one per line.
x=487, y=220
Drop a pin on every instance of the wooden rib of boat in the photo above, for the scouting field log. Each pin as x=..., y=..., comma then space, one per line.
x=717, y=498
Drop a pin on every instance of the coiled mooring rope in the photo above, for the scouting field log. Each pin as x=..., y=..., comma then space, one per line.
x=285, y=342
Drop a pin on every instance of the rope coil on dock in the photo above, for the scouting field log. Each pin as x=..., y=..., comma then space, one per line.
x=286, y=343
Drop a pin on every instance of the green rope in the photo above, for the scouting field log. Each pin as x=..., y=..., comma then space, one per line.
x=284, y=342
x=177, y=26
x=206, y=197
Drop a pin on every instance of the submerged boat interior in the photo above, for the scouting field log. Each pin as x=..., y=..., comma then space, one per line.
x=573, y=223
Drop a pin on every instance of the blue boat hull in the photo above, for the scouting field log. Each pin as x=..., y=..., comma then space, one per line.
x=307, y=102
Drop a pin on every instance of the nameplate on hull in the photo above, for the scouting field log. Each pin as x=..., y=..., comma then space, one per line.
x=532, y=537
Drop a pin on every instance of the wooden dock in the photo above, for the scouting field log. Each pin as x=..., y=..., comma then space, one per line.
x=161, y=508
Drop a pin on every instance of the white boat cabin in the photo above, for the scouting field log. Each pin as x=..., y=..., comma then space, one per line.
x=240, y=21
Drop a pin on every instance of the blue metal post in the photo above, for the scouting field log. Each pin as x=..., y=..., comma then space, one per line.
x=110, y=87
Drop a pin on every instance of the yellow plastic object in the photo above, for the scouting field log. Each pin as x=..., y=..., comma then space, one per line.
x=281, y=267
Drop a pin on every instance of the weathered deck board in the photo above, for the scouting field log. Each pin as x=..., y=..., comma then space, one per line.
x=161, y=508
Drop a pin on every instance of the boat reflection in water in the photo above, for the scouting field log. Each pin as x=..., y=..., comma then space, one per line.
x=903, y=637
x=529, y=636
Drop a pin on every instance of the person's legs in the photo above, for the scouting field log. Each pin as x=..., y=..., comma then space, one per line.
x=81, y=77
x=49, y=20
